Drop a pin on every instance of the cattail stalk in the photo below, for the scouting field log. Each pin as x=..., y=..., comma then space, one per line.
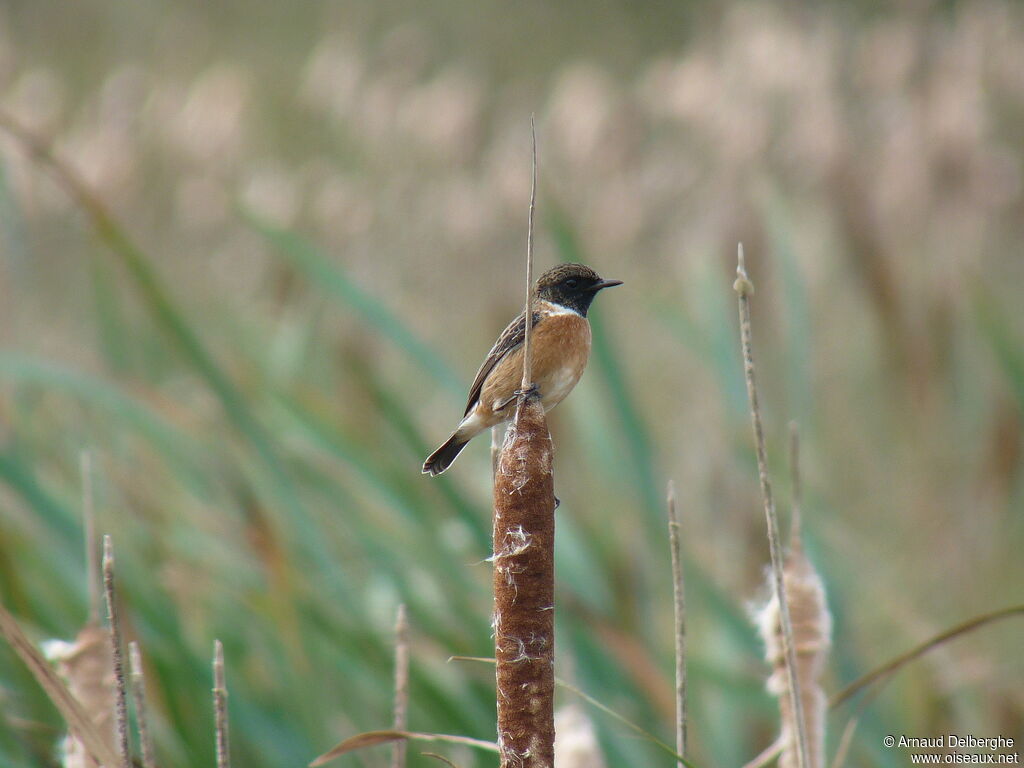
x=524, y=595
x=679, y=603
x=744, y=288
x=220, y=707
x=139, y=697
x=524, y=567
x=113, y=617
x=401, y=708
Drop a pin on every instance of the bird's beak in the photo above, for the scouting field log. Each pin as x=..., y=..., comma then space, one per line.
x=604, y=284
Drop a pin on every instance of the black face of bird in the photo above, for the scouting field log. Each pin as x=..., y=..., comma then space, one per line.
x=572, y=286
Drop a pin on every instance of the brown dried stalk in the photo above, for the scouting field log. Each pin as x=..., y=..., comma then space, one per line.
x=220, y=706
x=121, y=700
x=139, y=697
x=401, y=711
x=744, y=288
x=524, y=595
x=679, y=603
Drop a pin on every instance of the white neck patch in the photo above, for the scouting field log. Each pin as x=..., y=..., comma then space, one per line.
x=549, y=308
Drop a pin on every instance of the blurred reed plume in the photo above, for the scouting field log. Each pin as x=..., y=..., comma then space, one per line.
x=576, y=742
x=138, y=686
x=812, y=635
x=96, y=744
x=86, y=666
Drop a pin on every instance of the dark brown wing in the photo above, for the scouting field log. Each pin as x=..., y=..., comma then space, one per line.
x=509, y=341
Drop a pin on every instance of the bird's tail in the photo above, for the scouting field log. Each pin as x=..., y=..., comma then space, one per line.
x=442, y=458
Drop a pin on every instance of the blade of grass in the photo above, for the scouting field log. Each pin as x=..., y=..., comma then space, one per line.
x=182, y=452
x=897, y=663
x=373, y=738
x=645, y=734
x=158, y=302
x=1008, y=351
x=329, y=276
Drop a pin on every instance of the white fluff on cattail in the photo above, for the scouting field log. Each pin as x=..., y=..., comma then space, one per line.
x=812, y=636
x=575, y=739
x=85, y=666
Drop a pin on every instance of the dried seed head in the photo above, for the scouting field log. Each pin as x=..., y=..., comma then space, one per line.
x=86, y=667
x=812, y=636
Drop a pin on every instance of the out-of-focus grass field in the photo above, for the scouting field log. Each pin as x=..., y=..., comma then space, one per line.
x=332, y=198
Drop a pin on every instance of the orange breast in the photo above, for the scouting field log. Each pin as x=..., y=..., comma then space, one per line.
x=559, y=348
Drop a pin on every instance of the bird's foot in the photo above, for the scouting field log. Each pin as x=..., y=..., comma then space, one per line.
x=532, y=391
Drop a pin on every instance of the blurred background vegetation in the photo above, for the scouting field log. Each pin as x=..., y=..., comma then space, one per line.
x=330, y=199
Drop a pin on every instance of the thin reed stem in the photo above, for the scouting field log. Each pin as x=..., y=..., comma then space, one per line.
x=769, y=755
x=527, y=363
x=220, y=706
x=744, y=288
x=679, y=603
x=796, y=481
x=139, y=697
x=894, y=665
x=113, y=617
x=92, y=571
x=401, y=708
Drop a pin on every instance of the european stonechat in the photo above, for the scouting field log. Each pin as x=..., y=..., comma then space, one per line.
x=559, y=348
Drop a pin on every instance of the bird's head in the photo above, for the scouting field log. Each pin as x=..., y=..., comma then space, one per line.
x=572, y=286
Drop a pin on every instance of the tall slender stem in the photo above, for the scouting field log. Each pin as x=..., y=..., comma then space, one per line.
x=121, y=701
x=220, y=707
x=744, y=288
x=680, y=617
x=527, y=362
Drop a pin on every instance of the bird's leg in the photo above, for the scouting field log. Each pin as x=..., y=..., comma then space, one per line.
x=532, y=391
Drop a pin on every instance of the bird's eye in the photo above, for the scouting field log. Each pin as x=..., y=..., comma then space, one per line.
x=572, y=282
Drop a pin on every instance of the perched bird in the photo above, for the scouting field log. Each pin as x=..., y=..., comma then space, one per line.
x=559, y=348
